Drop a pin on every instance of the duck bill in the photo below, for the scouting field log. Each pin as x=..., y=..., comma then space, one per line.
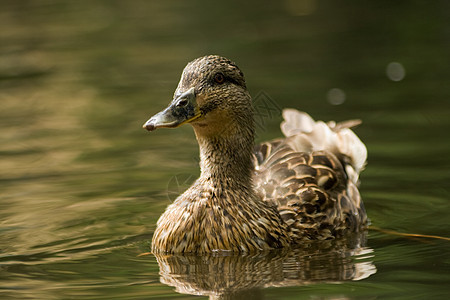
x=183, y=109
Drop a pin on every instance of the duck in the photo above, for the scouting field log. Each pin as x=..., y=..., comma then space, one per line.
x=287, y=192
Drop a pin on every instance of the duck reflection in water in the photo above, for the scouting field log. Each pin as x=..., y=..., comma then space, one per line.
x=225, y=275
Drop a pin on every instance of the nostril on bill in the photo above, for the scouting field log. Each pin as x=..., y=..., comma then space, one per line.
x=182, y=102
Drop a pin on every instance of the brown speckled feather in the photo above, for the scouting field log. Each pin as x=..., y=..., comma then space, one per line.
x=218, y=221
x=310, y=190
x=308, y=182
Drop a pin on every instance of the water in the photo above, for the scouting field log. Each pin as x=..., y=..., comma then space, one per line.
x=82, y=185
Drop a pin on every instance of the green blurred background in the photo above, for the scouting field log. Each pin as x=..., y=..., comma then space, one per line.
x=82, y=185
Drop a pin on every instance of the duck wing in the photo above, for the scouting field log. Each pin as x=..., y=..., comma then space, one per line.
x=311, y=176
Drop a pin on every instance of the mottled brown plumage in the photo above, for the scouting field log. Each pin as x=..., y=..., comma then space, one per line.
x=247, y=199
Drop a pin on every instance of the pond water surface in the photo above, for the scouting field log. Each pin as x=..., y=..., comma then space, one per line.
x=82, y=185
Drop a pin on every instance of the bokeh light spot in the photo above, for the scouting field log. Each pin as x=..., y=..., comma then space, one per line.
x=336, y=96
x=395, y=71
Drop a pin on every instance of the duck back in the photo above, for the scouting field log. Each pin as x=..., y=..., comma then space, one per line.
x=311, y=177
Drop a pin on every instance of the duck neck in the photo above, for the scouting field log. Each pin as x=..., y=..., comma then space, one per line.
x=226, y=157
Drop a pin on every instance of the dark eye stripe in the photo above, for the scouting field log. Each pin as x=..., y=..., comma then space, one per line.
x=229, y=80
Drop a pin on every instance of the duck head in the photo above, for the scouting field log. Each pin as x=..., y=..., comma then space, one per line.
x=211, y=94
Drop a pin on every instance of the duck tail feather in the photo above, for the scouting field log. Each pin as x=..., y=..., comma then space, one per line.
x=304, y=133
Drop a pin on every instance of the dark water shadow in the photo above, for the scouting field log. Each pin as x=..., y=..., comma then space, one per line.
x=231, y=276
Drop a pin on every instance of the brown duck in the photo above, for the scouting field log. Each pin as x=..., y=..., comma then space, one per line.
x=284, y=192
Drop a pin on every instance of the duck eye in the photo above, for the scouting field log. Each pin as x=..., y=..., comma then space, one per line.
x=219, y=78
